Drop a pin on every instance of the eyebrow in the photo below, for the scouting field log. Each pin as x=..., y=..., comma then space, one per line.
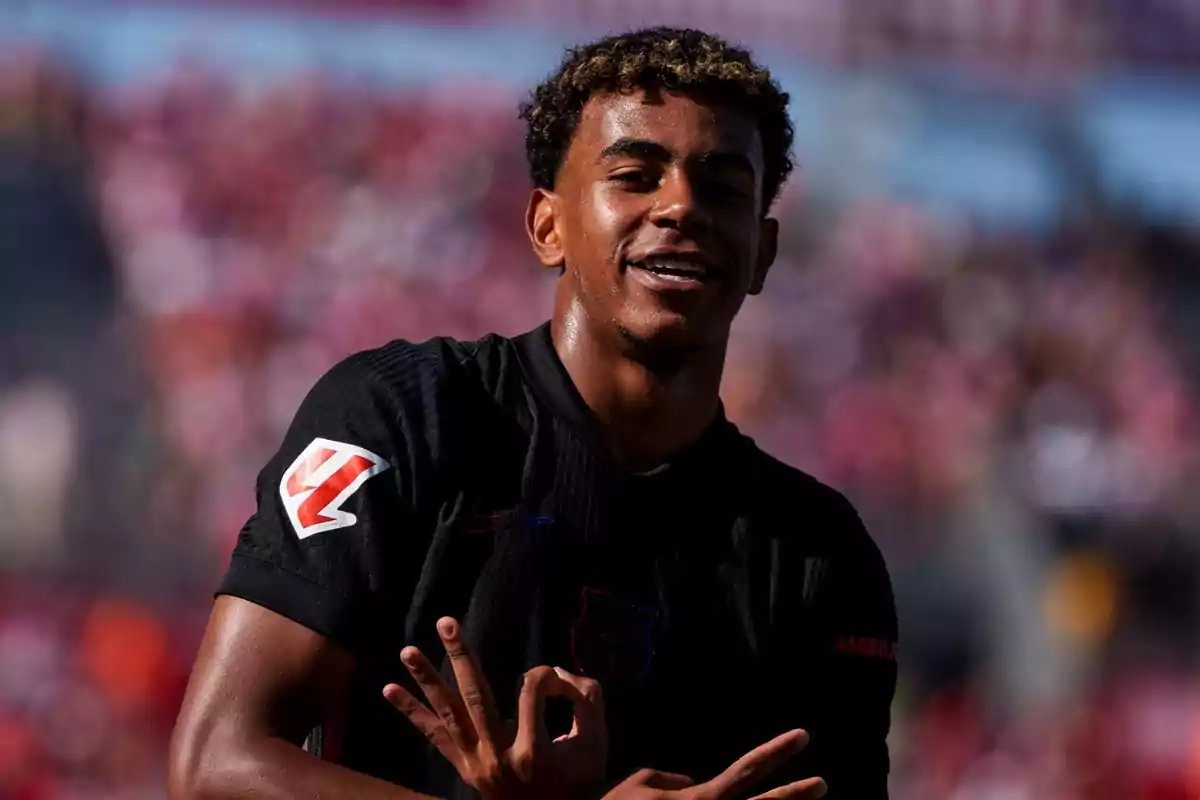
x=653, y=151
x=726, y=160
x=635, y=148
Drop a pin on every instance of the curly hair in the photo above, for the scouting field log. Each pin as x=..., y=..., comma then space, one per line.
x=671, y=59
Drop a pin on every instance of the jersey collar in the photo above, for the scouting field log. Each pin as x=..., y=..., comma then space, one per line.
x=552, y=383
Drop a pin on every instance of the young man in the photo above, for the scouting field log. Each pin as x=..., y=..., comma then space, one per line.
x=575, y=495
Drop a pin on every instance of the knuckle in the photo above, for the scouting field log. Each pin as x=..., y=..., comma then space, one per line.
x=413, y=710
x=403, y=702
x=473, y=698
x=590, y=689
x=538, y=674
x=425, y=676
x=449, y=721
x=522, y=759
x=489, y=766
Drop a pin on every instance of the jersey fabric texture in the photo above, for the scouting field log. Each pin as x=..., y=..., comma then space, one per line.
x=720, y=600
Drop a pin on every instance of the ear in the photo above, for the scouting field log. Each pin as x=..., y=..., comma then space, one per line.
x=768, y=247
x=541, y=223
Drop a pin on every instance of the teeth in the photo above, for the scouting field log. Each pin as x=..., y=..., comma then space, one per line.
x=672, y=265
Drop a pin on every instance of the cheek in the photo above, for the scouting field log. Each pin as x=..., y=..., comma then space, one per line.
x=610, y=220
x=742, y=240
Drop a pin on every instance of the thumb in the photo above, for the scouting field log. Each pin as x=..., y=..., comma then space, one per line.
x=587, y=703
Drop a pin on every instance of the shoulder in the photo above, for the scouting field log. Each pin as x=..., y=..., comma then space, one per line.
x=824, y=544
x=437, y=400
x=802, y=507
x=403, y=397
x=415, y=375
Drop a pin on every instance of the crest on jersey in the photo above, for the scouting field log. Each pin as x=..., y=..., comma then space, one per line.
x=321, y=479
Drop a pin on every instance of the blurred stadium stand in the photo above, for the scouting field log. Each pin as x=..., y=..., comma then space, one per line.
x=984, y=326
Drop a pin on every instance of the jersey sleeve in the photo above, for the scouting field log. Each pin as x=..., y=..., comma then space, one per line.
x=333, y=542
x=856, y=667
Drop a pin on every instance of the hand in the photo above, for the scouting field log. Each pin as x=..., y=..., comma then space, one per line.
x=748, y=770
x=489, y=755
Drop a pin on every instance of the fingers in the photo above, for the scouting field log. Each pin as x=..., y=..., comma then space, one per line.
x=587, y=701
x=445, y=701
x=648, y=779
x=540, y=682
x=755, y=765
x=666, y=781
x=472, y=685
x=425, y=720
x=808, y=789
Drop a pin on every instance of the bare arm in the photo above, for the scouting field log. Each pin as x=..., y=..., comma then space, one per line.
x=261, y=682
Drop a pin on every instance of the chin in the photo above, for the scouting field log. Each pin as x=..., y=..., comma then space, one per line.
x=664, y=330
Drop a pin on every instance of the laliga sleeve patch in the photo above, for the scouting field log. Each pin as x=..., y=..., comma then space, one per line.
x=321, y=479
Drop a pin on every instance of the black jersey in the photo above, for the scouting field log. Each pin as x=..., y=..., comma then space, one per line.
x=720, y=600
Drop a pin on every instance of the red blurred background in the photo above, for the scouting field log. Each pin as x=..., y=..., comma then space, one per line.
x=983, y=327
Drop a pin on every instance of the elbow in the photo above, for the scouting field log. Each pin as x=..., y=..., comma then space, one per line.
x=182, y=785
x=185, y=776
x=195, y=762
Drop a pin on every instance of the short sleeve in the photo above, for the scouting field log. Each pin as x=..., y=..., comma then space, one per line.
x=332, y=544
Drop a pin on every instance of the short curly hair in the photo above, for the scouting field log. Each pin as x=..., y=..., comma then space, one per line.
x=671, y=59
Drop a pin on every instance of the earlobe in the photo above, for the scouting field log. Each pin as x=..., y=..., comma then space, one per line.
x=541, y=223
x=768, y=247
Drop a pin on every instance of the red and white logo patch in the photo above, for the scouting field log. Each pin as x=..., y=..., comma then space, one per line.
x=321, y=479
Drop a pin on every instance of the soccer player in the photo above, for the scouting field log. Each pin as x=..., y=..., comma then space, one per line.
x=574, y=495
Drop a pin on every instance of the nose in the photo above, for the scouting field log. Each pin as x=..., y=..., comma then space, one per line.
x=675, y=203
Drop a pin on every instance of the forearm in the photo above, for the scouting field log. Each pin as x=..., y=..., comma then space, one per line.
x=272, y=768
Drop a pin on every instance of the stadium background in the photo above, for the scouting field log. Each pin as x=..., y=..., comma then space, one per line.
x=983, y=327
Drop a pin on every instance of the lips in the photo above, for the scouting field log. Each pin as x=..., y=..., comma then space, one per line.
x=678, y=265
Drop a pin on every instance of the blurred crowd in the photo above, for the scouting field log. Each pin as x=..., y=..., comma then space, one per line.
x=1014, y=412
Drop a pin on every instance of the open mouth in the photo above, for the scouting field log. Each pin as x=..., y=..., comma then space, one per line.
x=681, y=267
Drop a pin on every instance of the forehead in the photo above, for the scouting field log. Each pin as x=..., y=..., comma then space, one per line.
x=683, y=124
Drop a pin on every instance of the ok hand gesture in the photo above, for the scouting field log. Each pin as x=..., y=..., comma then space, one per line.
x=491, y=757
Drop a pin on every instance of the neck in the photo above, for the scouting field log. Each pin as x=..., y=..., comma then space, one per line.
x=649, y=406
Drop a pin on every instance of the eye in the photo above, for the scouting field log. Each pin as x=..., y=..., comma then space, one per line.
x=730, y=189
x=634, y=179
